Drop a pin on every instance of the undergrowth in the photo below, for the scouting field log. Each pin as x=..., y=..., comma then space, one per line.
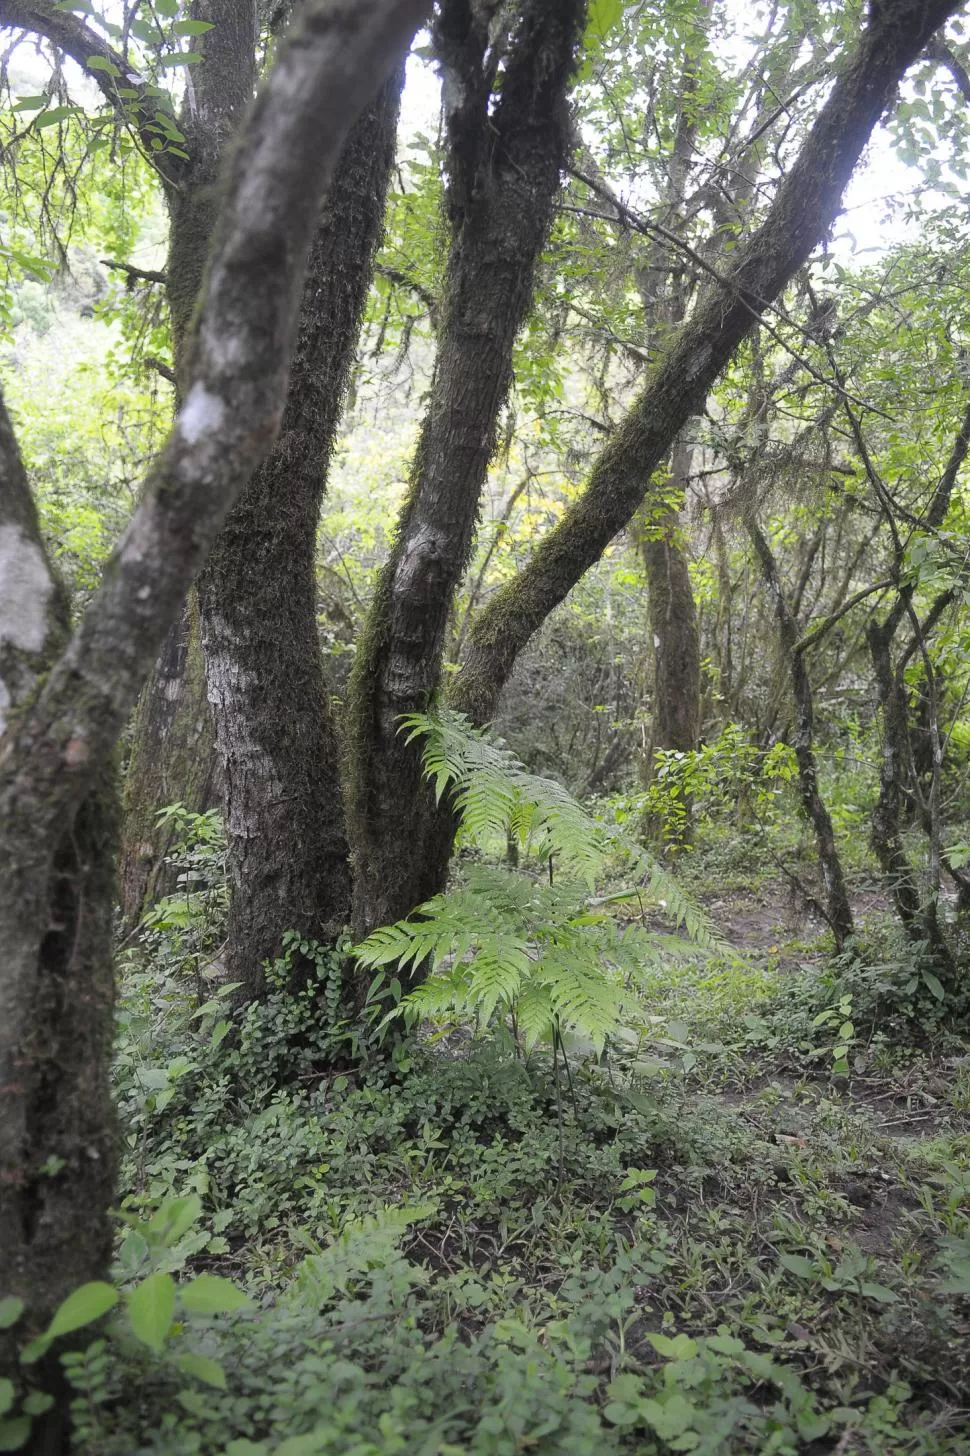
x=462, y=1250
x=742, y=1226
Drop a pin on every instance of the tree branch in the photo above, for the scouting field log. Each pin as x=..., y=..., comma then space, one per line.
x=938, y=50
x=160, y=367
x=424, y=295
x=71, y=34
x=805, y=206
x=135, y=275
x=822, y=629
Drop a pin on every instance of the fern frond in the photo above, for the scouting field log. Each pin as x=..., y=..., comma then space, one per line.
x=535, y=1014
x=584, y=999
x=496, y=975
x=505, y=941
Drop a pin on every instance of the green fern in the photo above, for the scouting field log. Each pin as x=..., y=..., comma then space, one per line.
x=497, y=797
x=541, y=948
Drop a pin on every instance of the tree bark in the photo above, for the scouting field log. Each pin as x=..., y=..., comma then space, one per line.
x=64, y=706
x=57, y=1132
x=802, y=212
x=673, y=622
x=506, y=150
x=172, y=760
x=837, y=908
x=288, y=856
x=173, y=750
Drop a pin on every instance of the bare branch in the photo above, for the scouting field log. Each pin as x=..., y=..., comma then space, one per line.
x=135, y=275
x=160, y=367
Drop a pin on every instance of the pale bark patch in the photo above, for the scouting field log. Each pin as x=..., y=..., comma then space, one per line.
x=25, y=591
x=202, y=414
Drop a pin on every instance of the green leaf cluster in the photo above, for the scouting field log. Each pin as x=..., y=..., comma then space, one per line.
x=541, y=947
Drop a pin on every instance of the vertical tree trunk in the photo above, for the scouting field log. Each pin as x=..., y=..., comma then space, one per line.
x=676, y=643
x=506, y=150
x=838, y=909
x=173, y=749
x=673, y=621
x=277, y=742
x=172, y=761
x=57, y=1145
x=921, y=922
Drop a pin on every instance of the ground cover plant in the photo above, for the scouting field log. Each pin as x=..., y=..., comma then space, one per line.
x=743, y=1226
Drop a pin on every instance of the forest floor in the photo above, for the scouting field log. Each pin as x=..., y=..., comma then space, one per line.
x=739, y=1249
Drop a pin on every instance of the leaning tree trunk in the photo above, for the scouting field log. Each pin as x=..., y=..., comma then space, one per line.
x=505, y=152
x=803, y=209
x=288, y=857
x=173, y=751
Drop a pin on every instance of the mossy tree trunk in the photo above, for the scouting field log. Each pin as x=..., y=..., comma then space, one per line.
x=675, y=719
x=660, y=528
x=276, y=737
x=57, y=1128
x=507, y=143
x=172, y=760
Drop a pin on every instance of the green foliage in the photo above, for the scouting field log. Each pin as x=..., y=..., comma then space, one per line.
x=435, y=1259
x=546, y=952
x=149, y=1308
x=727, y=777
x=183, y=930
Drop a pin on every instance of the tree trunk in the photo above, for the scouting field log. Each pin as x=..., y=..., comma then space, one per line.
x=921, y=922
x=676, y=644
x=506, y=150
x=58, y=1152
x=63, y=705
x=837, y=908
x=173, y=748
x=172, y=761
x=673, y=620
x=676, y=701
x=277, y=742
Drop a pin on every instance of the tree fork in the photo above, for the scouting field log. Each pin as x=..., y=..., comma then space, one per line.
x=507, y=149
x=65, y=702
